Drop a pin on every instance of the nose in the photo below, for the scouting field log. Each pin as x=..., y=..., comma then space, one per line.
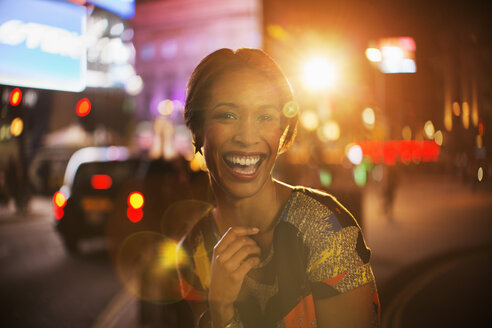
x=247, y=133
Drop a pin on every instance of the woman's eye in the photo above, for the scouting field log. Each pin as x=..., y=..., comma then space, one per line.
x=226, y=116
x=266, y=117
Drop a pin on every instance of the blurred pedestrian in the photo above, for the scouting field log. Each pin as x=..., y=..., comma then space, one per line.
x=267, y=254
x=389, y=192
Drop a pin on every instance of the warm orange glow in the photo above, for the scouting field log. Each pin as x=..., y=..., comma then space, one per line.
x=438, y=137
x=374, y=55
x=15, y=97
x=429, y=129
x=134, y=214
x=171, y=255
x=135, y=200
x=465, y=115
x=309, y=120
x=16, y=127
x=101, y=181
x=456, y=109
x=406, y=133
x=319, y=74
x=83, y=107
x=368, y=117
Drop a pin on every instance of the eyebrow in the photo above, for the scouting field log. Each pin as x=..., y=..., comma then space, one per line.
x=233, y=105
x=227, y=104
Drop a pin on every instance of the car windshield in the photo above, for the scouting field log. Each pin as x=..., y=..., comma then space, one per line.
x=103, y=177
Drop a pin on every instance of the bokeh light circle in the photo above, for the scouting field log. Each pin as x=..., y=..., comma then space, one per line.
x=16, y=127
x=145, y=265
x=290, y=109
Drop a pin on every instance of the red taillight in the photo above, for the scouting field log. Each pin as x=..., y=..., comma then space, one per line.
x=135, y=203
x=101, y=181
x=15, y=97
x=134, y=214
x=135, y=200
x=59, y=202
x=83, y=107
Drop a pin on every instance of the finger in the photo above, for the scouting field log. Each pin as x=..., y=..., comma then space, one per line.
x=235, y=246
x=241, y=256
x=231, y=234
x=245, y=267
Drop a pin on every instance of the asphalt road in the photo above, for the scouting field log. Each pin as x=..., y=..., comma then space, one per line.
x=433, y=257
x=40, y=284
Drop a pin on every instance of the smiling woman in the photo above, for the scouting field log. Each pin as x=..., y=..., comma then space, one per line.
x=267, y=254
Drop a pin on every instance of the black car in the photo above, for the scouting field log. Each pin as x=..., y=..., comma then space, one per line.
x=116, y=199
x=92, y=199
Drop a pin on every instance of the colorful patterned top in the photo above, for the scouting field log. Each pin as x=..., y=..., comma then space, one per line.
x=318, y=251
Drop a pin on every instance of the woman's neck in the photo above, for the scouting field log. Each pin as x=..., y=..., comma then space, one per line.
x=260, y=210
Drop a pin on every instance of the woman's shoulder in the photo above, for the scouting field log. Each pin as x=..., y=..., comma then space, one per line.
x=202, y=233
x=312, y=205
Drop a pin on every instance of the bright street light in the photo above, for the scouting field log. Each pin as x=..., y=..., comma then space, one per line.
x=319, y=74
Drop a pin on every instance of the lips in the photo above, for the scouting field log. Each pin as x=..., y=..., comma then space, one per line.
x=243, y=165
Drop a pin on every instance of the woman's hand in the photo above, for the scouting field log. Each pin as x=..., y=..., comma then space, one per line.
x=234, y=256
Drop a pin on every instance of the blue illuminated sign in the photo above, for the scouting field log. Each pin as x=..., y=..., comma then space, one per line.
x=42, y=44
x=123, y=8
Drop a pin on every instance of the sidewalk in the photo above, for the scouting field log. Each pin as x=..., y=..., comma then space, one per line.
x=432, y=215
x=39, y=207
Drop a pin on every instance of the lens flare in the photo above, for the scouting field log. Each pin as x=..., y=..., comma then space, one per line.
x=139, y=264
x=290, y=109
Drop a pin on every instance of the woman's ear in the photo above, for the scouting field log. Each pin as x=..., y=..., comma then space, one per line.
x=198, y=142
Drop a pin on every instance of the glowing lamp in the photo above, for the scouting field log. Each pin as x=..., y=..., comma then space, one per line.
x=15, y=97
x=16, y=127
x=354, y=154
x=83, y=107
x=374, y=55
x=319, y=74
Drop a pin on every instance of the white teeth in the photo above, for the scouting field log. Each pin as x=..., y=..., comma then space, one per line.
x=243, y=160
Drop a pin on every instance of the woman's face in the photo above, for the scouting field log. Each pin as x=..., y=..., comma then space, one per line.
x=242, y=130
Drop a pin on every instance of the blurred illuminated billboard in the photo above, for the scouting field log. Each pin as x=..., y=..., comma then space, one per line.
x=123, y=8
x=42, y=44
x=394, y=55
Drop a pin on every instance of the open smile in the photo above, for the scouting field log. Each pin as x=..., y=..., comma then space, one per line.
x=243, y=165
